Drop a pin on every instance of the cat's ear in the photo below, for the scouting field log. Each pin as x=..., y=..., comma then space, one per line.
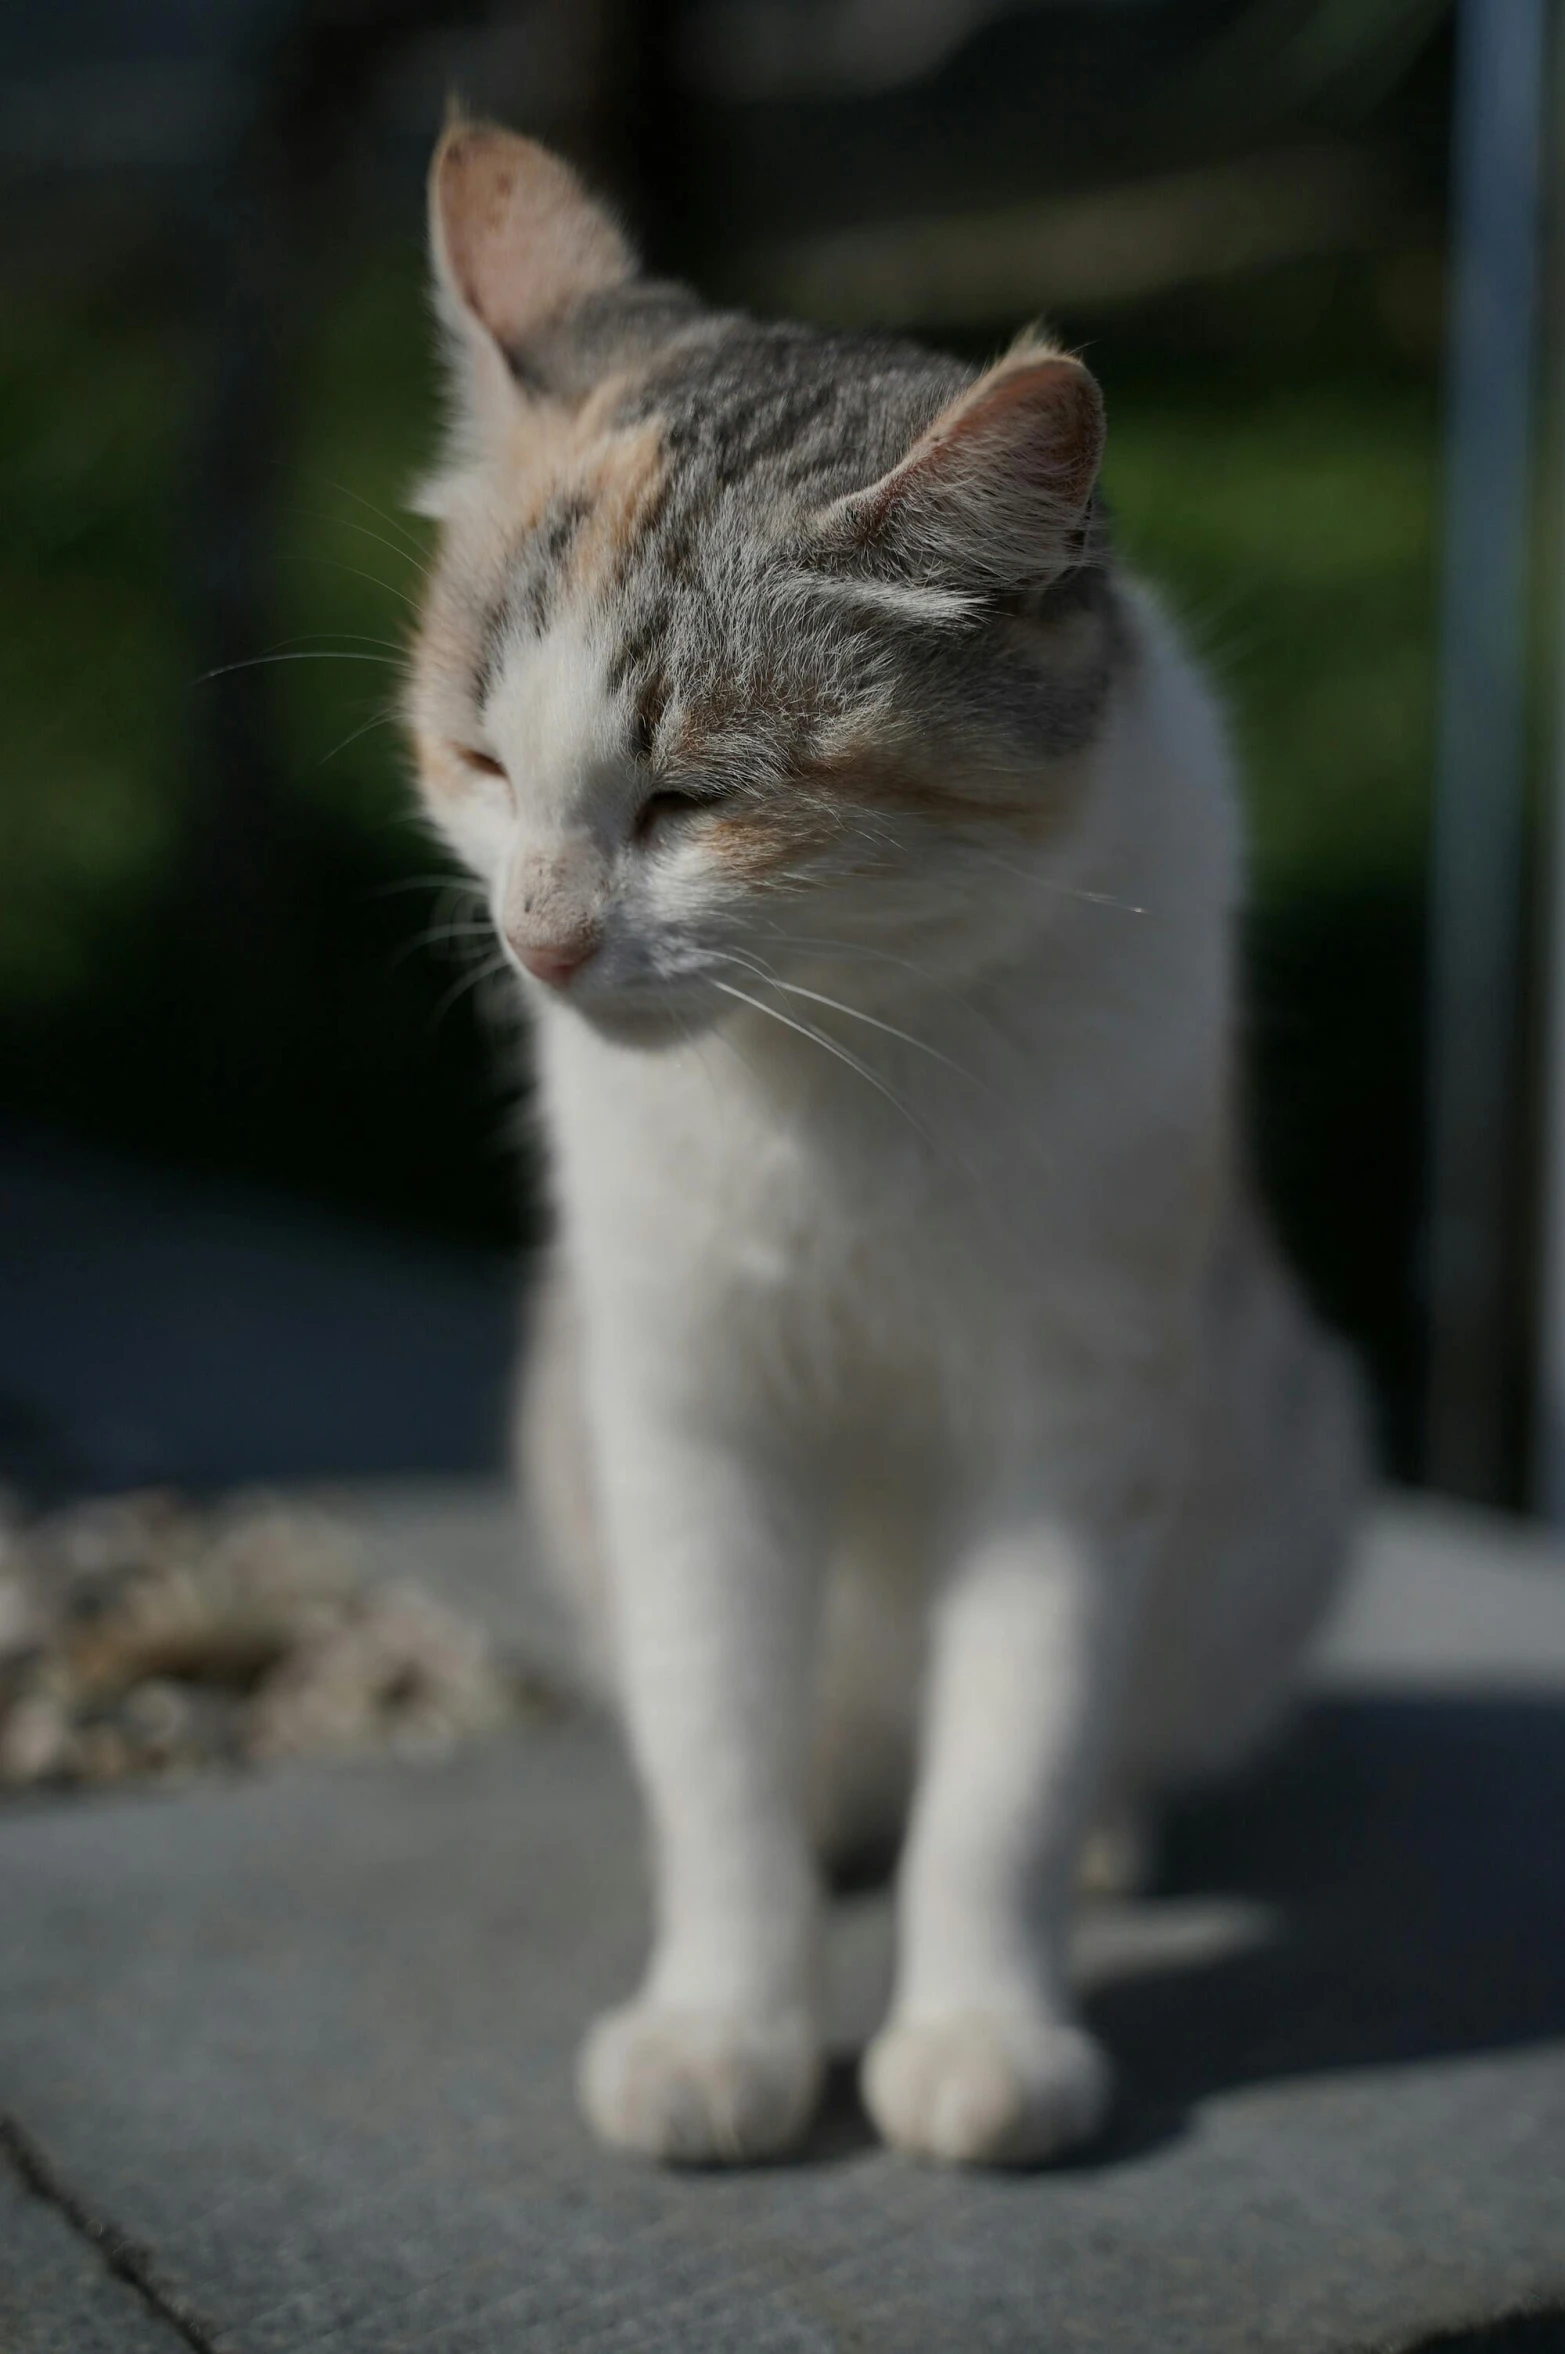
x=995, y=492
x=515, y=243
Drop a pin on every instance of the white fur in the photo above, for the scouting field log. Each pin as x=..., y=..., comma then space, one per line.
x=971, y=1354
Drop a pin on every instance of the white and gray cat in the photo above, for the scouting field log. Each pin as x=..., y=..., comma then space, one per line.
x=917, y=1411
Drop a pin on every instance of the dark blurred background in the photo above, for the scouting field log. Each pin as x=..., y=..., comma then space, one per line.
x=262, y=1184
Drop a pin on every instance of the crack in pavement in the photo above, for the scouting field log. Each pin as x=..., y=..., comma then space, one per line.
x=120, y=2256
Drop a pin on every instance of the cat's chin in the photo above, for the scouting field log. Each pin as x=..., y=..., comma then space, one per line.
x=651, y=1028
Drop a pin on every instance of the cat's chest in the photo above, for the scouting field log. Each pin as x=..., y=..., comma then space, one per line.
x=871, y=1273
x=838, y=1238
x=716, y=1199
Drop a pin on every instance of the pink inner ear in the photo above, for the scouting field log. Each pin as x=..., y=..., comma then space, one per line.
x=995, y=490
x=1039, y=424
x=517, y=239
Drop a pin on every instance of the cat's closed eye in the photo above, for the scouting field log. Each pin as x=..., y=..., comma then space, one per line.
x=663, y=809
x=482, y=763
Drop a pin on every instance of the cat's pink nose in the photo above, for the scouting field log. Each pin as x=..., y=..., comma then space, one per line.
x=554, y=961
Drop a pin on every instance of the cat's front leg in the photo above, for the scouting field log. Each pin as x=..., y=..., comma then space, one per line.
x=719, y=2056
x=983, y=2058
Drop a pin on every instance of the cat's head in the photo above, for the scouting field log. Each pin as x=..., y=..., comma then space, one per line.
x=749, y=650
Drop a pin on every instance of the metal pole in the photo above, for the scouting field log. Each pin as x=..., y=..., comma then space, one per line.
x=1549, y=1417
x=1479, y=785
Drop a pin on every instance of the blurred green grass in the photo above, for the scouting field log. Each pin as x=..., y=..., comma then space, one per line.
x=1284, y=499
x=1295, y=536
x=90, y=634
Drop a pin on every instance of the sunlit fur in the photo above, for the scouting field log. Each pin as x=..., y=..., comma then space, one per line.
x=917, y=1413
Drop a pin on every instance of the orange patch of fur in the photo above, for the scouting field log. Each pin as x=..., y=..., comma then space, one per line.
x=765, y=838
x=880, y=777
x=814, y=808
x=442, y=651
x=551, y=449
x=624, y=478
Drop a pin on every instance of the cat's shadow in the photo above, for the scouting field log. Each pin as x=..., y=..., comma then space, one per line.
x=1400, y=1865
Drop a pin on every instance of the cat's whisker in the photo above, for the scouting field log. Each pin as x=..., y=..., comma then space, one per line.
x=346, y=523
x=381, y=719
x=861, y=948
x=854, y=1013
x=905, y=964
x=1041, y=882
x=831, y=1046
x=458, y=914
x=691, y=1038
x=415, y=546
x=732, y=1047
x=298, y=654
x=357, y=571
x=357, y=637
x=442, y=935
x=450, y=882
x=489, y=971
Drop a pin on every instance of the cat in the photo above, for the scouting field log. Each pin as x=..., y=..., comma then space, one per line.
x=917, y=1411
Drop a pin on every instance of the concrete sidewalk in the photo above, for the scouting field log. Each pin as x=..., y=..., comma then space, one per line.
x=288, y=2060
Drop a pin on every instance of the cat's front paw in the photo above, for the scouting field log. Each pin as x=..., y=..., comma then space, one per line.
x=982, y=2089
x=698, y=2088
